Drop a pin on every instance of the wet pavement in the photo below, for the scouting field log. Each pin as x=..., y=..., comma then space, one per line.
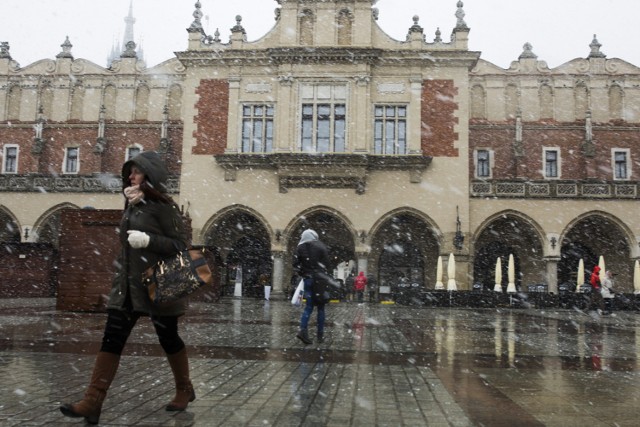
x=383, y=365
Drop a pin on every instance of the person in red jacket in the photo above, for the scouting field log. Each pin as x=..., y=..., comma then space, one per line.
x=596, y=296
x=359, y=284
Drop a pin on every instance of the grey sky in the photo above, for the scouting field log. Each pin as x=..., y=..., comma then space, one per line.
x=559, y=30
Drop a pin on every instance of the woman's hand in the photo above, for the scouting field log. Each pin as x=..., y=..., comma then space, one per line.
x=138, y=239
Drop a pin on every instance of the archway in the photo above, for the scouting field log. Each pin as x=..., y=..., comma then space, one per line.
x=504, y=235
x=332, y=230
x=587, y=239
x=404, y=251
x=243, y=244
x=9, y=228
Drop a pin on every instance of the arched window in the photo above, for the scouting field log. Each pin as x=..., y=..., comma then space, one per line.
x=616, y=97
x=142, y=102
x=511, y=101
x=77, y=103
x=175, y=102
x=345, y=27
x=546, y=102
x=478, y=103
x=109, y=102
x=15, y=95
x=306, y=27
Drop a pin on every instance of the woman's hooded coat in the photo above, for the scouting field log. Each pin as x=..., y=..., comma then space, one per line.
x=163, y=223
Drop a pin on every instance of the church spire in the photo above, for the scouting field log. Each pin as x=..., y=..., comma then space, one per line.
x=128, y=27
x=118, y=50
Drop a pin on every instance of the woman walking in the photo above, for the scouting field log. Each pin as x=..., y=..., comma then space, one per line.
x=151, y=229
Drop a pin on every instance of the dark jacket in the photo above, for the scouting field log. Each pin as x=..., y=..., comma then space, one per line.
x=164, y=224
x=311, y=257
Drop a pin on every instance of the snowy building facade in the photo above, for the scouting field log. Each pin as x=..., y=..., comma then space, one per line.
x=396, y=152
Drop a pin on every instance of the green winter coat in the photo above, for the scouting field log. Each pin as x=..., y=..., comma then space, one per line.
x=164, y=225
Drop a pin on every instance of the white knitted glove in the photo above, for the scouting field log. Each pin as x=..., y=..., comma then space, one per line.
x=138, y=239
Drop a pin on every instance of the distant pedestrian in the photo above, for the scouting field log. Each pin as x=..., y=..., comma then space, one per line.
x=152, y=228
x=607, y=292
x=311, y=257
x=597, y=301
x=348, y=286
x=371, y=284
x=359, y=285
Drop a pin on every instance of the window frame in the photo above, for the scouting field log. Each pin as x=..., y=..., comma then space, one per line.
x=476, y=163
x=312, y=129
x=65, y=161
x=628, y=163
x=558, y=162
x=5, y=149
x=127, y=151
x=381, y=124
x=267, y=128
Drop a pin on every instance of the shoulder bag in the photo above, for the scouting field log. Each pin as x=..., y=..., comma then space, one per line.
x=177, y=276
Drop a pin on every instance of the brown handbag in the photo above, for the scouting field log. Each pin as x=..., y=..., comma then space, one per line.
x=177, y=276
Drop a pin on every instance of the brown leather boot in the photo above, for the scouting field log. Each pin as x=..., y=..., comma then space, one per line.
x=184, y=389
x=90, y=406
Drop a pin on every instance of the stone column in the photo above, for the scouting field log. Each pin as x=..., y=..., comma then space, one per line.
x=277, y=275
x=552, y=273
x=362, y=262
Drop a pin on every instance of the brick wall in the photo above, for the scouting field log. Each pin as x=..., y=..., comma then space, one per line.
x=212, y=118
x=118, y=138
x=27, y=270
x=568, y=137
x=88, y=248
x=438, y=118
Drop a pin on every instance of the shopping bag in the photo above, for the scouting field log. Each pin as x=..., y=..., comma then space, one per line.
x=298, y=294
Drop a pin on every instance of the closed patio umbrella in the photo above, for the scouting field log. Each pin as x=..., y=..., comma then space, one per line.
x=498, y=276
x=451, y=272
x=439, y=284
x=511, y=273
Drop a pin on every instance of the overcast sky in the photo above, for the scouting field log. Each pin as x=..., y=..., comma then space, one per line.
x=559, y=30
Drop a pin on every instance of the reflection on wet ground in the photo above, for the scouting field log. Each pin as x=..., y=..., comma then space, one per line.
x=380, y=365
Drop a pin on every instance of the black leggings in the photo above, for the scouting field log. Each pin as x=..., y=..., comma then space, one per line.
x=119, y=326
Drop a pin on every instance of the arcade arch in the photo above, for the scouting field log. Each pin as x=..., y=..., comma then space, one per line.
x=47, y=228
x=241, y=239
x=405, y=246
x=592, y=235
x=9, y=228
x=503, y=234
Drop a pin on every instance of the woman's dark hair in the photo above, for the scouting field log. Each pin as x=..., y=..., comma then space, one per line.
x=153, y=195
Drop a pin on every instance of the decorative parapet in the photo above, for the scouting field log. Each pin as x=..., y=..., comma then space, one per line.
x=555, y=189
x=322, y=170
x=99, y=183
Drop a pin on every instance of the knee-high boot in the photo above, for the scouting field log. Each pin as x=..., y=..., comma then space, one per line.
x=90, y=406
x=184, y=389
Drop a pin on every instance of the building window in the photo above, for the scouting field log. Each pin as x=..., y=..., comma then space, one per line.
x=483, y=163
x=324, y=119
x=257, y=128
x=621, y=164
x=133, y=151
x=551, y=159
x=390, y=129
x=71, y=160
x=10, y=156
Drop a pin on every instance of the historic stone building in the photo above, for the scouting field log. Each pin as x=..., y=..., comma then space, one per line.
x=397, y=152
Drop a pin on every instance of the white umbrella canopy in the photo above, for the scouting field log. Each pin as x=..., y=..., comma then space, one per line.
x=580, y=279
x=636, y=278
x=511, y=273
x=498, y=276
x=451, y=272
x=439, y=284
x=602, y=269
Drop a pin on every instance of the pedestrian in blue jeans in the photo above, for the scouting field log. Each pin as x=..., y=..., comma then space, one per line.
x=311, y=258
